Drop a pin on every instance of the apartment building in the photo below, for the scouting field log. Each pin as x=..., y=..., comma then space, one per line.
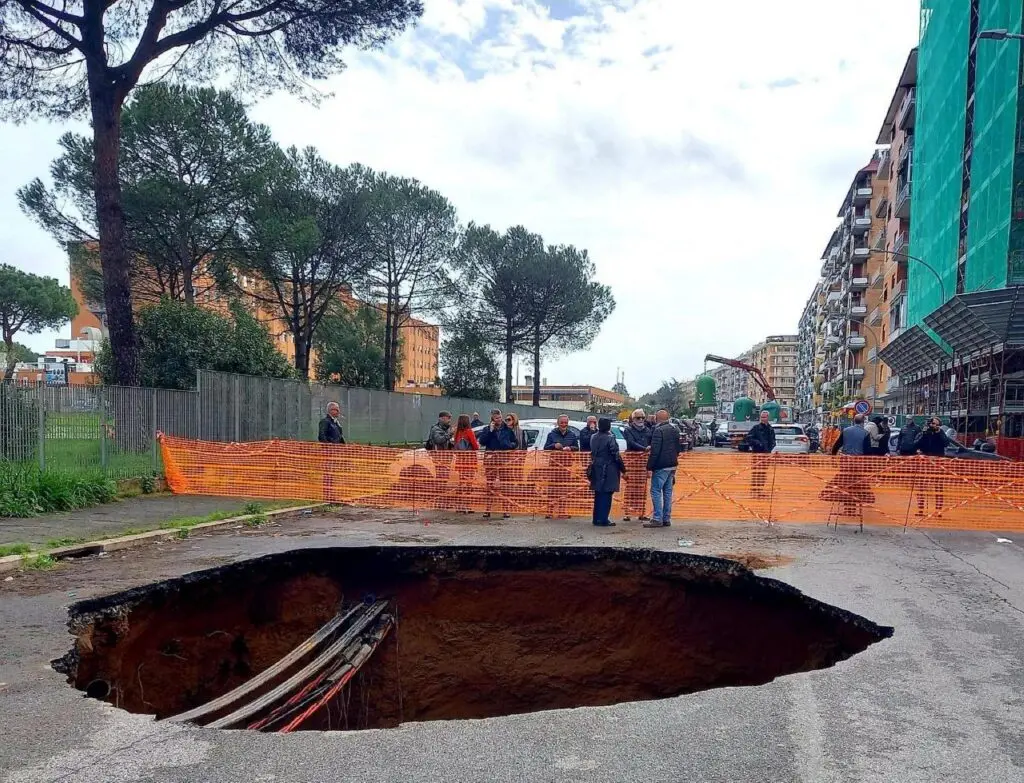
x=776, y=358
x=894, y=178
x=850, y=368
x=959, y=352
x=810, y=356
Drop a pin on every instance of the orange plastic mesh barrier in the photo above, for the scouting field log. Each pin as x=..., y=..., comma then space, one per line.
x=951, y=493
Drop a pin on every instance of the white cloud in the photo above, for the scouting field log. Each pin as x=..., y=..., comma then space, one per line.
x=699, y=154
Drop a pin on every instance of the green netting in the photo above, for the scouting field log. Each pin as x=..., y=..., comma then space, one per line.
x=992, y=163
x=938, y=152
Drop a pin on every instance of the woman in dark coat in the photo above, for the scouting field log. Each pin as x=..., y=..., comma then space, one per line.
x=606, y=467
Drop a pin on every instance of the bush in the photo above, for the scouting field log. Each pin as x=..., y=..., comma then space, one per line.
x=19, y=423
x=27, y=491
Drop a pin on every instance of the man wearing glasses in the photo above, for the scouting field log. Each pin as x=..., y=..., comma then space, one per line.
x=638, y=440
x=498, y=468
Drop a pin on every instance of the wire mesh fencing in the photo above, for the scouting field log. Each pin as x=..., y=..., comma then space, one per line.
x=890, y=491
x=113, y=428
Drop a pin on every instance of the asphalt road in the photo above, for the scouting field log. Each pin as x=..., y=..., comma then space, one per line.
x=941, y=700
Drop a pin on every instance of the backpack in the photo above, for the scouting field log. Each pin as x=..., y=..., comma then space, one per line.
x=463, y=445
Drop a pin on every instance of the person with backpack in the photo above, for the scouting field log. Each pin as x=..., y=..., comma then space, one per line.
x=465, y=446
x=439, y=444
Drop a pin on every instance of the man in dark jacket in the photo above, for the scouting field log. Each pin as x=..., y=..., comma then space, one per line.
x=907, y=444
x=931, y=443
x=439, y=441
x=761, y=441
x=330, y=426
x=638, y=439
x=497, y=437
x=562, y=440
x=476, y=421
x=563, y=437
x=662, y=461
x=587, y=433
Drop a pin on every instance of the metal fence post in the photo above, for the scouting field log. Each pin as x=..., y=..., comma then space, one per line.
x=199, y=404
x=41, y=415
x=103, y=428
x=238, y=411
x=270, y=409
x=152, y=393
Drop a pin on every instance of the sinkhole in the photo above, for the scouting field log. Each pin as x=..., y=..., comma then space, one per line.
x=445, y=633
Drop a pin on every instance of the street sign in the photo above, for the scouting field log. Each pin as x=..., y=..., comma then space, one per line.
x=863, y=407
x=892, y=421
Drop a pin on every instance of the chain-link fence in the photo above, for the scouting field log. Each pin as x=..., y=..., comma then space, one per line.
x=112, y=428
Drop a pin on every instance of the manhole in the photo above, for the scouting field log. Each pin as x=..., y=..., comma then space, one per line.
x=477, y=632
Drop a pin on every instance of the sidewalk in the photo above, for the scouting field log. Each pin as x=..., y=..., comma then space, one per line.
x=146, y=512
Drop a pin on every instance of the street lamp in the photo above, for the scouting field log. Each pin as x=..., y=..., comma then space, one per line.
x=922, y=262
x=1000, y=35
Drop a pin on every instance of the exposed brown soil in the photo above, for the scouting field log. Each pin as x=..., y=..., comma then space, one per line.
x=480, y=631
x=756, y=561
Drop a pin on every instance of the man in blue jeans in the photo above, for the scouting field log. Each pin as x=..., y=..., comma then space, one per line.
x=662, y=461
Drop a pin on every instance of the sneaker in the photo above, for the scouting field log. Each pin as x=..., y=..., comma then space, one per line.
x=604, y=524
x=653, y=523
x=627, y=519
x=487, y=515
x=506, y=516
x=643, y=518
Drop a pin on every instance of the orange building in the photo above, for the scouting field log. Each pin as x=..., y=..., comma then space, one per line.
x=420, y=341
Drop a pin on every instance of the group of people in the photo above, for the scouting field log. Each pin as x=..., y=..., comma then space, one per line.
x=867, y=438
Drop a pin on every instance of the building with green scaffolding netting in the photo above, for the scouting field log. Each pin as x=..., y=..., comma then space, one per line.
x=960, y=351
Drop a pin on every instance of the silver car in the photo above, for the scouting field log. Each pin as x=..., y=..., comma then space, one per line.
x=536, y=431
x=791, y=439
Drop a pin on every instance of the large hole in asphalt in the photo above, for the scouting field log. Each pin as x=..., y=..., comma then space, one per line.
x=478, y=632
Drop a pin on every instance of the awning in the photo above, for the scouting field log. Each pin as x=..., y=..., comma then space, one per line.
x=978, y=321
x=912, y=350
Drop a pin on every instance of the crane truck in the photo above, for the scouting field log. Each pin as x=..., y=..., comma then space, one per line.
x=746, y=417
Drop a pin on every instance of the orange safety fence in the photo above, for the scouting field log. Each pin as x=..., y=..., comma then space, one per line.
x=726, y=486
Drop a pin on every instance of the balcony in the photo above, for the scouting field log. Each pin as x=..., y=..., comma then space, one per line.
x=905, y=115
x=860, y=223
x=892, y=384
x=901, y=242
x=879, y=243
x=873, y=354
x=832, y=339
x=858, y=311
x=859, y=284
x=862, y=195
x=884, y=166
x=833, y=296
x=861, y=251
x=855, y=342
x=878, y=279
x=906, y=152
x=895, y=333
x=856, y=372
x=902, y=206
x=876, y=317
x=898, y=290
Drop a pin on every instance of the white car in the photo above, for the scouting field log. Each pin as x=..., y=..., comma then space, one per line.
x=791, y=439
x=536, y=431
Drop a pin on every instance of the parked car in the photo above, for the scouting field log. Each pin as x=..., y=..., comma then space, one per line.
x=721, y=438
x=954, y=449
x=791, y=439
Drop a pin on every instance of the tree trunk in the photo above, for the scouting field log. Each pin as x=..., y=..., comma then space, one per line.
x=11, y=360
x=389, y=372
x=301, y=349
x=396, y=352
x=117, y=290
x=536, y=367
x=508, y=360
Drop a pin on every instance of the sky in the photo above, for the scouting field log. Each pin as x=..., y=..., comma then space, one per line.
x=698, y=151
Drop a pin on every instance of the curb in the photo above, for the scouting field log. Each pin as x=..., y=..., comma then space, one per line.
x=14, y=562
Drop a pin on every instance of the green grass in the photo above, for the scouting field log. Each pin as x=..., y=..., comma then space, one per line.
x=57, y=543
x=39, y=562
x=14, y=549
x=25, y=491
x=257, y=510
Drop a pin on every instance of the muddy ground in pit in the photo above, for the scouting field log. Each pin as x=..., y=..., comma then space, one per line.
x=481, y=632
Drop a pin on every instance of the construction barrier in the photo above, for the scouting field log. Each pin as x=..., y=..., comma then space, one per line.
x=726, y=486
